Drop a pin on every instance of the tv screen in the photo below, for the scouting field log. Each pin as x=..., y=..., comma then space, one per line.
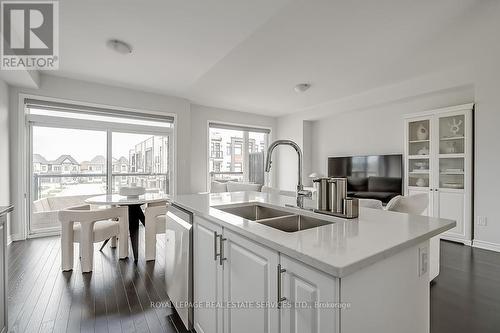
x=366, y=166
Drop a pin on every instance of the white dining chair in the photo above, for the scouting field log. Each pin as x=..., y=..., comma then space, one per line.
x=370, y=203
x=85, y=226
x=417, y=204
x=413, y=204
x=155, y=223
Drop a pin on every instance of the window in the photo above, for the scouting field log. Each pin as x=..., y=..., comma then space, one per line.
x=244, y=149
x=70, y=149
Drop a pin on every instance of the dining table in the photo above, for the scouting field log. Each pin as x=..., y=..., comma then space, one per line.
x=135, y=213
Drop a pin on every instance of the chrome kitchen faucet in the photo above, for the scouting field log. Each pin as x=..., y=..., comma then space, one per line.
x=301, y=193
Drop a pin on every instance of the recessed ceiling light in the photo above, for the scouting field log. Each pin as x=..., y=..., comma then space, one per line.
x=301, y=87
x=119, y=46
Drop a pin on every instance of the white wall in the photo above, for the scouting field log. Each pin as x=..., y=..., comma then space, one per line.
x=200, y=116
x=4, y=145
x=377, y=130
x=82, y=91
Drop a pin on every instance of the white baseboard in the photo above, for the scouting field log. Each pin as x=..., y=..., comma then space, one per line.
x=456, y=239
x=14, y=237
x=486, y=245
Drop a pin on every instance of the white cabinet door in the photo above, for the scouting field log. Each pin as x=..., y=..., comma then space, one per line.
x=207, y=277
x=304, y=287
x=451, y=205
x=250, y=282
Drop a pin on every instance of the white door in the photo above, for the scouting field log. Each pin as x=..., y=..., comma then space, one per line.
x=207, y=277
x=451, y=205
x=419, y=134
x=250, y=281
x=304, y=287
x=453, y=183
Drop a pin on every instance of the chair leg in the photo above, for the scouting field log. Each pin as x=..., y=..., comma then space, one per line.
x=87, y=246
x=113, y=242
x=104, y=244
x=67, y=248
x=150, y=242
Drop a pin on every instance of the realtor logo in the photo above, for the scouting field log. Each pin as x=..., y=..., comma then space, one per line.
x=30, y=35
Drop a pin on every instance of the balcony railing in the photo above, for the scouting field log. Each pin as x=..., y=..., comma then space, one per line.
x=42, y=181
x=227, y=175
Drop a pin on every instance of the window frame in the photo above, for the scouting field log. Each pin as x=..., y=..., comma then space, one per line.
x=268, y=177
x=26, y=121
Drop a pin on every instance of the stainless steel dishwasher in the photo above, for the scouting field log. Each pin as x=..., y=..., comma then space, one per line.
x=179, y=261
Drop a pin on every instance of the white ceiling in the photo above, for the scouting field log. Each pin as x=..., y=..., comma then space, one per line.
x=248, y=54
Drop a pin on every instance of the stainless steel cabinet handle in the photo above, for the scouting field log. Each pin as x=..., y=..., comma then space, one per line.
x=215, y=246
x=280, y=298
x=221, y=246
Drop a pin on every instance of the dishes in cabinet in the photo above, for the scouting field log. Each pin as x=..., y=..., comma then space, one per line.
x=453, y=185
x=423, y=151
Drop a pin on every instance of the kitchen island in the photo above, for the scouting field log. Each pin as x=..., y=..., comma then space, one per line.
x=292, y=270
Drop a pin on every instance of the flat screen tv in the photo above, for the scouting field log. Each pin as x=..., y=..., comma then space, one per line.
x=366, y=166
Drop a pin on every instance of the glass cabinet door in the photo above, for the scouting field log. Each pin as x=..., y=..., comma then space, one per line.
x=419, y=149
x=452, y=138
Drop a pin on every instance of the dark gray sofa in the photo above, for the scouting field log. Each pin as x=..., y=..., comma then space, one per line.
x=380, y=188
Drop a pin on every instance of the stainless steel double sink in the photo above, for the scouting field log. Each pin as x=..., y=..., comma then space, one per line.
x=275, y=218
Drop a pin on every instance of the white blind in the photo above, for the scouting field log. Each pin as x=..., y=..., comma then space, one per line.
x=239, y=128
x=100, y=111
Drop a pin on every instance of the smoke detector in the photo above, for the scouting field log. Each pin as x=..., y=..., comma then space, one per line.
x=301, y=87
x=119, y=46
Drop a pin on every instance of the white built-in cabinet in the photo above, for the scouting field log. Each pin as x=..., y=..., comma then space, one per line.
x=256, y=285
x=439, y=162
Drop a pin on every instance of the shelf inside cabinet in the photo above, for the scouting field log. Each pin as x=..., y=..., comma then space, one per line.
x=418, y=141
x=452, y=138
x=452, y=172
x=451, y=156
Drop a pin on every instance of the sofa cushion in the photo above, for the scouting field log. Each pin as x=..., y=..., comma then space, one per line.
x=357, y=184
x=384, y=184
x=236, y=187
x=218, y=187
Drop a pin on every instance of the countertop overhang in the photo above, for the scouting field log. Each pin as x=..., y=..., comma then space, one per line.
x=339, y=249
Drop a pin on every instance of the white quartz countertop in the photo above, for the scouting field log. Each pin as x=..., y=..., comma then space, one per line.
x=339, y=249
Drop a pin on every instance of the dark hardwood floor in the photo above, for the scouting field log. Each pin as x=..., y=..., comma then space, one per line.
x=118, y=295
x=466, y=294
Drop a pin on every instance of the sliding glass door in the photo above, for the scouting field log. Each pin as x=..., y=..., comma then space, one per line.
x=72, y=159
x=68, y=166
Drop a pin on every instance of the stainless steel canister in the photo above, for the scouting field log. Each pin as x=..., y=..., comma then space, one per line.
x=351, y=207
x=332, y=195
x=338, y=192
x=322, y=188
